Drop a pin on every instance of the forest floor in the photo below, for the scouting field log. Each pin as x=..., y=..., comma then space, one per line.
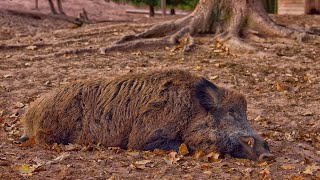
x=281, y=84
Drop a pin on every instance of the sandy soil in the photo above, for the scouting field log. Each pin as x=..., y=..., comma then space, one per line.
x=281, y=83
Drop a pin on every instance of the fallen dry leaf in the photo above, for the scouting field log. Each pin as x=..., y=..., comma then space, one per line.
x=311, y=169
x=1, y=112
x=25, y=169
x=288, y=167
x=258, y=118
x=213, y=77
x=7, y=76
x=218, y=51
x=173, y=154
x=137, y=53
x=198, y=68
x=38, y=161
x=199, y=154
x=133, y=153
x=19, y=105
x=265, y=174
x=297, y=178
x=204, y=166
x=213, y=157
x=307, y=113
x=172, y=158
x=160, y=152
x=31, y=47
x=137, y=166
x=168, y=161
x=63, y=156
x=143, y=162
x=56, y=147
x=187, y=176
x=281, y=87
x=140, y=165
x=183, y=149
x=115, y=149
x=72, y=147
x=263, y=164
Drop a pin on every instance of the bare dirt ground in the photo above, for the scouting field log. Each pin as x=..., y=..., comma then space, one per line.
x=281, y=83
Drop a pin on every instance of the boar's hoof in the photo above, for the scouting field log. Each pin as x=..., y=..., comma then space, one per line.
x=24, y=139
x=266, y=157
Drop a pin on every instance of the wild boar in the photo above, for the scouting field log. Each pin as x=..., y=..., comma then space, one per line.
x=155, y=110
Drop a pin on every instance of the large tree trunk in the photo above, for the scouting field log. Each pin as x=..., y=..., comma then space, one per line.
x=228, y=20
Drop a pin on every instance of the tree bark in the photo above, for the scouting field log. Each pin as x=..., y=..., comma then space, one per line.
x=151, y=11
x=172, y=11
x=228, y=20
x=60, y=7
x=37, y=4
x=53, y=10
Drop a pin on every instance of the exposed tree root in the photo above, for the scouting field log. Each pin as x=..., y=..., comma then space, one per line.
x=165, y=34
x=138, y=44
x=21, y=46
x=76, y=51
x=208, y=17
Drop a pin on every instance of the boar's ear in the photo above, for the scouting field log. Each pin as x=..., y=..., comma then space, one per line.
x=208, y=95
x=247, y=140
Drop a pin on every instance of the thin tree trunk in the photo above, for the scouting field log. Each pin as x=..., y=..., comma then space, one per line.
x=60, y=7
x=53, y=10
x=151, y=11
x=37, y=4
x=172, y=11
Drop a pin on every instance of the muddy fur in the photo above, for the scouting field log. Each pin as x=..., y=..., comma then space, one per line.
x=160, y=109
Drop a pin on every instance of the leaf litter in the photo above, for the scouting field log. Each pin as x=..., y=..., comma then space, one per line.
x=279, y=90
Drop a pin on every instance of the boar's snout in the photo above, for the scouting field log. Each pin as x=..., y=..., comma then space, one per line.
x=254, y=148
x=266, y=157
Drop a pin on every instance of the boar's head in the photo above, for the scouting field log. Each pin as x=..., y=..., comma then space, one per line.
x=231, y=130
x=241, y=141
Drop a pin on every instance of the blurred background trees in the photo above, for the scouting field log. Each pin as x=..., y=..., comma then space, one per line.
x=153, y=4
x=270, y=5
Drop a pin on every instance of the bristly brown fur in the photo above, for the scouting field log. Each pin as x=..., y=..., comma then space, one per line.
x=136, y=111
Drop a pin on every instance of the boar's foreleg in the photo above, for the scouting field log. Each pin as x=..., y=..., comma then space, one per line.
x=163, y=138
x=164, y=144
x=200, y=135
x=160, y=140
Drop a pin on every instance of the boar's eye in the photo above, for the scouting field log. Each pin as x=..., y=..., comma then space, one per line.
x=231, y=110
